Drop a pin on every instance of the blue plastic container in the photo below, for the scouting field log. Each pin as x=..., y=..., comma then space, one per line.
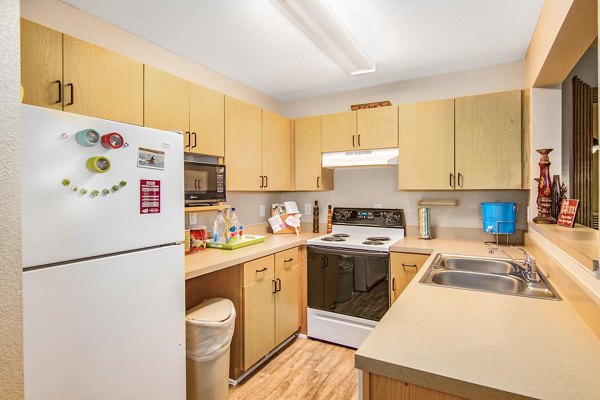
x=499, y=218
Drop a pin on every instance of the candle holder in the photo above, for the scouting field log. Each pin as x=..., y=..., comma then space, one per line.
x=544, y=184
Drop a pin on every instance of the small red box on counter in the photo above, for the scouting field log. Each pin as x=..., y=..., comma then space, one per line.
x=568, y=211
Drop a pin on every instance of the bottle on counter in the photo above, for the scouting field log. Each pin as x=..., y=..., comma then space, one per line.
x=329, y=219
x=234, y=227
x=219, y=228
x=316, y=217
x=226, y=216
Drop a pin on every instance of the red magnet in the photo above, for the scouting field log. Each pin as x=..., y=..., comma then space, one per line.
x=112, y=140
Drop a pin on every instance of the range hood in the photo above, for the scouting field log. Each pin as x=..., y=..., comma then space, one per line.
x=360, y=158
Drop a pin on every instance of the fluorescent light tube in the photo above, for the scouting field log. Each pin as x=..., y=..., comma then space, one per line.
x=321, y=25
x=360, y=158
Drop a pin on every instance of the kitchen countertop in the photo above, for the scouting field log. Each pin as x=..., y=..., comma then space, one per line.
x=211, y=260
x=482, y=345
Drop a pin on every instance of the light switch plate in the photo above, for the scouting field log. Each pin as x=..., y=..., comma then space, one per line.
x=192, y=220
x=377, y=205
x=262, y=210
x=307, y=209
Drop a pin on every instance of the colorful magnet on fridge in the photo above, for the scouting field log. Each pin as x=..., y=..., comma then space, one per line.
x=98, y=164
x=95, y=193
x=112, y=140
x=123, y=183
x=87, y=137
x=115, y=188
x=66, y=182
x=83, y=191
x=105, y=191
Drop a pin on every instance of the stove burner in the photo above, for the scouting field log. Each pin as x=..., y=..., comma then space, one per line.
x=340, y=235
x=378, y=239
x=373, y=242
x=333, y=239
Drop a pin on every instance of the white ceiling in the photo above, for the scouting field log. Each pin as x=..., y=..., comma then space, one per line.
x=252, y=42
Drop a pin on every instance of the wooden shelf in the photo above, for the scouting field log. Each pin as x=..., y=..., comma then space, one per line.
x=206, y=208
x=437, y=203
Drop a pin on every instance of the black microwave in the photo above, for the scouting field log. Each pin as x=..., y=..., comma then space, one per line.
x=204, y=182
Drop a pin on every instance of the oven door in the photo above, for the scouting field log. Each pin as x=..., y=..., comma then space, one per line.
x=204, y=183
x=349, y=282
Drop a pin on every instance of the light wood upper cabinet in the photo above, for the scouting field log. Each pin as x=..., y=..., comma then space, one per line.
x=41, y=65
x=287, y=297
x=488, y=141
x=338, y=132
x=243, y=145
x=404, y=267
x=166, y=102
x=102, y=84
x=377, y=128
x=426, y=145
x=207, y=121
x=308, y=173
x=276, y=151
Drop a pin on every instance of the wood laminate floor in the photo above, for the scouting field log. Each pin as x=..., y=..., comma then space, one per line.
x=306, y=369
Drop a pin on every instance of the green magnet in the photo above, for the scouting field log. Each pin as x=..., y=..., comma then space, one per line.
x=105, y=191
x=83, y=191
x=115, y=188
x=123, y=183
x=98, y=164
x=95, y=193
x=66, y=182
x=74, y=188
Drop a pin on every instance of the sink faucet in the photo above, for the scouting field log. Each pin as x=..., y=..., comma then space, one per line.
x=529, y=266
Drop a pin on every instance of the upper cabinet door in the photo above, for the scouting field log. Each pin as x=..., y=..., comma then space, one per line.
x=488, y=141
x=339, y=132
x=207, y=121
x=307, y=156
x=276, y=150
x=426, y=141
x=102, y=84
x=377, y=128
x=166, y=102
x=243, y=145
x=41, y=65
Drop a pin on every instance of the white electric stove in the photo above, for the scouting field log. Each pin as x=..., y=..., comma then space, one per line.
x=348, y=274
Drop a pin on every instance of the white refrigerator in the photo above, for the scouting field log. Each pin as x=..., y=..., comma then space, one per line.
x=103, y=281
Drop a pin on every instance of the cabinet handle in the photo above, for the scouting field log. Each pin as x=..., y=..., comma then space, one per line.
x=325, y=262
x=195, y=142
x=451, y=180
x=266, y=181
x=261, y=270
x=59, y=92
x=72, y=94
x=359, y=140
x=278, y=285
x=318, y=182
x=353, y=145
x=288, y=260
x=409, y=265
x=189, y=140
x=262, y=181
x=393, y=284
x=460, y=179
x=274, y=287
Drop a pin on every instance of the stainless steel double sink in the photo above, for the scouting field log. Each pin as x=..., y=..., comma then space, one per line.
x=495, y=275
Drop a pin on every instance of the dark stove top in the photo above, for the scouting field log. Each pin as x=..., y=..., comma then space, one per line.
x=373, y=242
x=333, y=239
x=378, y=239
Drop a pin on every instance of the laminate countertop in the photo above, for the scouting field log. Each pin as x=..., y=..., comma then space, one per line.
x=211, y=260
x=482, y=345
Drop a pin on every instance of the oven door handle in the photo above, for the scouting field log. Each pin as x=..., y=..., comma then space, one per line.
x=348, y=252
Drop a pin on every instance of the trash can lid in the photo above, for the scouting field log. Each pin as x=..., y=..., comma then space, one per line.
x=211, y=310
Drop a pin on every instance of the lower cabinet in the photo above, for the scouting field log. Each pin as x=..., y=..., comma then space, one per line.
x=378, y=387
x=404, y=267
x=271, y=299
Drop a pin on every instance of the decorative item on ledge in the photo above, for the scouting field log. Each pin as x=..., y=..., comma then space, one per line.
x=365, y=106
x=556, y=200
x=568, y=212
x=438, y=203
x=544, y=198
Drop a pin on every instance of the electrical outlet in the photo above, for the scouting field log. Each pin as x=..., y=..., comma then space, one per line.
x=307, y=209
x=262, y=210
x=377, y=205
x=192, y=219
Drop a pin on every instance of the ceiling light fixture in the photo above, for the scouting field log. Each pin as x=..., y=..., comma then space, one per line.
x=321, y=25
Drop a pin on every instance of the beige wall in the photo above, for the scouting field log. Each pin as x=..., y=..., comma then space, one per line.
x=11, y=332
x=72, y=21
x=491, y=79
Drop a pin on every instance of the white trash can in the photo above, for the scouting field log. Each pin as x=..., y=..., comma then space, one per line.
x=209, y=329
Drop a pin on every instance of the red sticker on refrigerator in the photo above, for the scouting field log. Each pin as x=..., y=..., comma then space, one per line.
x=149, y=196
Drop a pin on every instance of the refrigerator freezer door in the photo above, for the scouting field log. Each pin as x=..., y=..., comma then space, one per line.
x=109, y=328
x=60, y=224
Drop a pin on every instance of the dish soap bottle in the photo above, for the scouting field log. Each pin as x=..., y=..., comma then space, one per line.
x=316, y=217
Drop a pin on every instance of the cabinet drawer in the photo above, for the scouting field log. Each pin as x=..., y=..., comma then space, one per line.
x=259, y=270
x=409, y=260
x=287, y=259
